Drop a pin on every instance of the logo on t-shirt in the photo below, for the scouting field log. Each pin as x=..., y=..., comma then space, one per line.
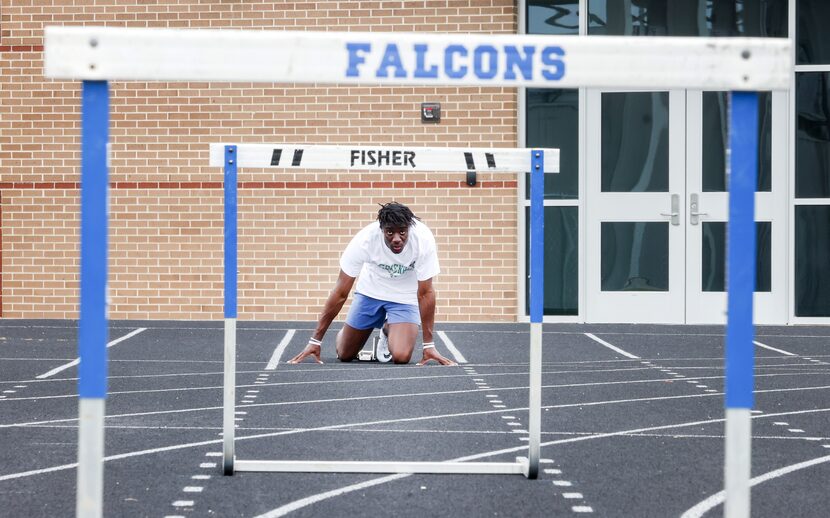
x=396, y=270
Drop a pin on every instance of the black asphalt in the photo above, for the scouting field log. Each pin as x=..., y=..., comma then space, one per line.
x=627, y=437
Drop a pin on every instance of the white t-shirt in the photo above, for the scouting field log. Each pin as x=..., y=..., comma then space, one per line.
x=385, y=275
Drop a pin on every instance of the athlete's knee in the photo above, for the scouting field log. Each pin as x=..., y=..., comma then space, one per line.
x=338, y=349
x=401, y=356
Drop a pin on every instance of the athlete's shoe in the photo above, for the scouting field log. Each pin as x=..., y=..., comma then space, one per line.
x=382, y=348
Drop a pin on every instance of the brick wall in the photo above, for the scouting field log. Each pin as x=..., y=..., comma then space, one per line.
x=166, y=205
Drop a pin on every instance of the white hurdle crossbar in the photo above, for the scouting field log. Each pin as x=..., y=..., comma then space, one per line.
x=96, y=55
x=383, y=158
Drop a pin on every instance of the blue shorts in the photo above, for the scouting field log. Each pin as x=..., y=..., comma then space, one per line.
x=369, y=313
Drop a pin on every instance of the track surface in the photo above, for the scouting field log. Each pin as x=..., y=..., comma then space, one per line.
x=632, y=422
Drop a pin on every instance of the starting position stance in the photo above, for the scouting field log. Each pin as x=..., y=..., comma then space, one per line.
x=396, y=261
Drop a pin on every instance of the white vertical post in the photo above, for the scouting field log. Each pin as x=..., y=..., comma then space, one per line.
x=90, y=489
x=229, y=396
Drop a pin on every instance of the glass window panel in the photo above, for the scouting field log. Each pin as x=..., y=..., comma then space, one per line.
x=713, y=260
x=763, y=18
x=812, y=261
x=553, y=122
x=813, y=45
x=561, y=260
x=635, y=142
x=812, y=147
x=553, y=16
x=635, y=256
x=716, y=138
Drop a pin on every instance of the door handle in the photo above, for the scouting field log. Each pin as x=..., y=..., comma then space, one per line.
x=674, y=215
x=694, y=205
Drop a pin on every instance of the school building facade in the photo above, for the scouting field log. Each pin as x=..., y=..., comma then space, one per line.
x=635, y=222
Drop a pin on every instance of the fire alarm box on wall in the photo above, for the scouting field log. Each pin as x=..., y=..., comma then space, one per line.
x=430, y=112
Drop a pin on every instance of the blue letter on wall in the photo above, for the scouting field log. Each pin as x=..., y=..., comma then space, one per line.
x=449, y=66
x=356, y=59
x=420, y=65
x=514, y=59
x=391, y=58
x=552, y=56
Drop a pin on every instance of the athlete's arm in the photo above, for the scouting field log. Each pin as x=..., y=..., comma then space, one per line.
x=334, y=303
x=426, y=305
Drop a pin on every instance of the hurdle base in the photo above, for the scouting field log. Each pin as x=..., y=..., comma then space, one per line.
x=311, y=466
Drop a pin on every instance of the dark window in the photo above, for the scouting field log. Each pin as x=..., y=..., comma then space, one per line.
x=553, y=122
x=553, y=17
x=635, y=142
x=762, y=18
x=812, y=148
x=635, y=256
x=716, y=137
x=713, y=260
x=813, y=45
x=812, y=261
x=561, y=260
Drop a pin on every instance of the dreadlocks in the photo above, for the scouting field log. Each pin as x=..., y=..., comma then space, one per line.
x=395, y=215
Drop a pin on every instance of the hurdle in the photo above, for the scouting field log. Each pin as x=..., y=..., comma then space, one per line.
x=289, y=157
x=97, y=55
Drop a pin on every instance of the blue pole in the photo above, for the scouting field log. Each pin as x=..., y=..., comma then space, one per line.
x=92, y=327
x=537, y=234
x=741, y=249
x=230, y=231
x=229, y=383
x=92, y=324
x=537, y=260
x=740, y=351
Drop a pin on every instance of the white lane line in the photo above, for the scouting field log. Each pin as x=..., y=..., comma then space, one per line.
x=304, y=502
x=612, y=347
x=63, y=467
x=582, y=509
x=275, y=358
x=183, y=503
x=704, y=506
x=76, y=361
x=759, y=344
x=193, y=489
x=422, y=394
x=572, y=495
x=459, y=358
x=562, y=483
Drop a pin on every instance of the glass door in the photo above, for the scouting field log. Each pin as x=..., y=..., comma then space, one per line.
x=707, y=208
x=657, y=206
x=635, y=267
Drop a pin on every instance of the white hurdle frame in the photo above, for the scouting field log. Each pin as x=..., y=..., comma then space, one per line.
x=436, y=160
x=97, y=55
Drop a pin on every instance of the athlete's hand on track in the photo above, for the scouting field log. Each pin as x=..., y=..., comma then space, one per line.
x=312, y=350
x=432, y=354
